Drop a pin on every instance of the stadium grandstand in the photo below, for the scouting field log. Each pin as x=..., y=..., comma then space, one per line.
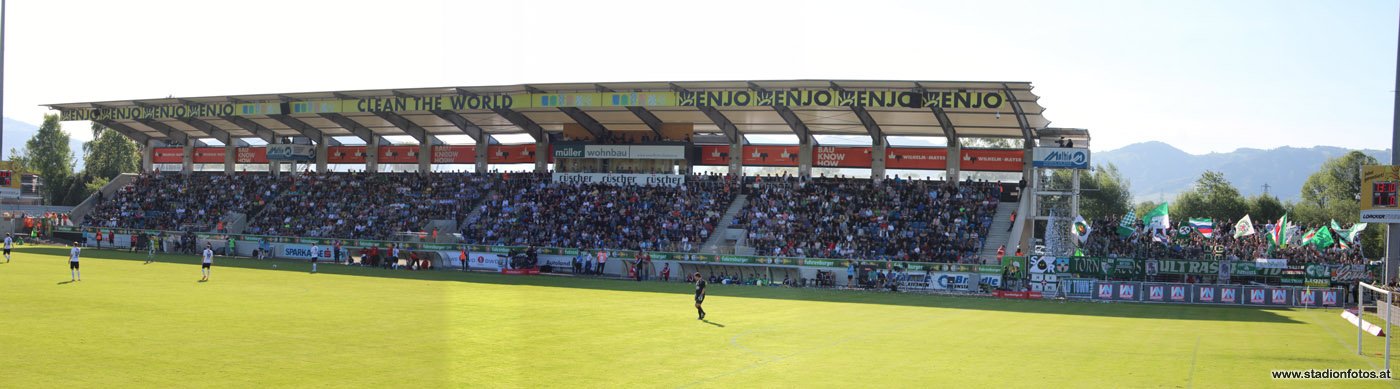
x=686, y=170
x=309, y=164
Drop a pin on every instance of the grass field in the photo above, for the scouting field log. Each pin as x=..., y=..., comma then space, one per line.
x=130, y=324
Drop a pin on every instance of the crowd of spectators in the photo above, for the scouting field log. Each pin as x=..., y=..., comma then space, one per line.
x=531, y=209
x=362, y=206
x=1144, y=243
x=908, y=220
x=173, y=201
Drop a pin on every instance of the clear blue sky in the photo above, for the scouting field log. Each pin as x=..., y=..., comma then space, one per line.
x=1202, y=75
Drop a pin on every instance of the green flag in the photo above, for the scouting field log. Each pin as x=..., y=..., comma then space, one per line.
x=1126, y=226
x=1308, y=237
x=1157, y=218
x=1323, y=238
x=1355, y=230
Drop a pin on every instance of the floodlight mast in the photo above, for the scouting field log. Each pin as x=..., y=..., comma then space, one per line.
x=1392, y=235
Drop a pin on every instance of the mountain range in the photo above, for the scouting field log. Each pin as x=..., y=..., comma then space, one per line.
x=1158, y=171
x=16, y=133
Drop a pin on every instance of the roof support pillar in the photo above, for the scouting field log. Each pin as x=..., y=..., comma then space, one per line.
x=736, y=159
x=187, y=159
x=542, y=155
x=877, y=158
x=323, y=154
x=146, y=156
x=804, y=157
x=372, y=155
x=954, y=161
x=274, y=166
x=230, y=156
x=483, y=150
x=425, y=158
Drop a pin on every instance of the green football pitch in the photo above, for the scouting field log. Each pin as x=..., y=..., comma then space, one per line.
x=130, y=324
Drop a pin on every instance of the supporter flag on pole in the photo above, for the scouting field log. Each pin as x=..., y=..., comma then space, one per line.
x=1323, y=238
x=1126, y=226
x=1276, y=237
x=1342, y=233
x=1244, y=227
x=1157, y=218
x=1354, y=232
x=1205, y=226
x=1081, y=229
x=1308, y=237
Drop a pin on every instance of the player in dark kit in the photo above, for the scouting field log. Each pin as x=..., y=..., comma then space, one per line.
x=699, y=295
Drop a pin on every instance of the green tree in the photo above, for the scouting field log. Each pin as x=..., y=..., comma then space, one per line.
x=1214, y=197
x=993, y=143
x=1333, y=193
x=1102, y=193
x=1265, y=207
x=110, y=154
x=1335, y=189
x=47, y=155
x=1145, y=207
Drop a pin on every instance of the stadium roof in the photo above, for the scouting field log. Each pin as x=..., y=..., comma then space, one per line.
x=803, y=108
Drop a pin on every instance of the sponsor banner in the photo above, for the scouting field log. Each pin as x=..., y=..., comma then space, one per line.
x=582, y=150
x=1229, y=295
x=622, y=179
x=487, y=260
x=1256, y=295
x=398, y=154
x=992, y=160
x=301, y=251
x=1351, y=273
x=250, y=155
x=1127, y=291
x=771, y=155
x=952, y=100
x=171, y=111
x=1372, y=329
x=209, y=155
x=947, y=281
x=1380, y=194
x=991, y=280
x=291, y=152
x=167, y=155
x=1205, y=294
x=1270, y=263
x=1307, y=297
x=510, y=153
x=961, y=100
x=920, y=158
x=1018, y=295
x=1176, y=293
x=841, y=156
x=1042, y=264
x=1278, y=296
x=1329, y=297
x=1103, y=291
x=568, y=150
x=714, y=156
x=657, y=152
x=1060, y=158
x=1156, y=292
x=346, y=154
x=444, y=154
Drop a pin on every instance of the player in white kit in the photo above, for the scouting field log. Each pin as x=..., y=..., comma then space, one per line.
x=208, y=261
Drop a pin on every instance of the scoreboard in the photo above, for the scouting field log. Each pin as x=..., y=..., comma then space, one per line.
x=1379, y=200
